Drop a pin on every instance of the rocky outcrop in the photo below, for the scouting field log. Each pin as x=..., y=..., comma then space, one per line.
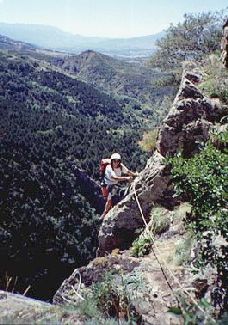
x=188, y=123
x=120, y=226
x=185, y=128
x=141, y=279
x=189, y=120
x=18, y=309
x=92, y=273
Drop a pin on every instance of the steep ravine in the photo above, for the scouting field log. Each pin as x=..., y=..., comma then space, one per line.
x=188, y=122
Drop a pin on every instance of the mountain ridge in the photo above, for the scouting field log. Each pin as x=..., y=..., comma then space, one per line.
x=54, y=38
x=130, y=83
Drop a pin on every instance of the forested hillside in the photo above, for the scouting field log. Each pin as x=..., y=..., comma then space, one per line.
x=72, y=117
x=51, y=124
x=137, y=87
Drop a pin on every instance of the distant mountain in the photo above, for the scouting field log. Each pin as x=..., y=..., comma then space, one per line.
x=53, y=38
x=132, y=84
x=23, y=48
x=129, y=83
x=7, y=43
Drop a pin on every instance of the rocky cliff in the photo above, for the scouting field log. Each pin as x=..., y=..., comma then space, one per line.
x=187, y=125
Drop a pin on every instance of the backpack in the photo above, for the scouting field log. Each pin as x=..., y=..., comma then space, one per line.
x=103, y=164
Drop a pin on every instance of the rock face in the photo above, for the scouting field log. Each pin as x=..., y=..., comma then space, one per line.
x=93, y=273
x=140, y=278
x=189, y=120
x=224, y=45
x=187, y=124
x=121, y=223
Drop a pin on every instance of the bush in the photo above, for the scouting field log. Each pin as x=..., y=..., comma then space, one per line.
x=148, y=143
x=110, y=299
x=160, y=220
x=183, y=251
x=198, y=35
x=216, y=79
x=141, y=246
x=159, y=223
x=202, y=179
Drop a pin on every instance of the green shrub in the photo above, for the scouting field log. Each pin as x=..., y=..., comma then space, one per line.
x=168, y=80
x=202, y=179
x=141, y=246
x=110, y=299
x=160, y=220
x=194, y=313
x=89, y=308
x=196, y=36
x=183, y=251
x=148, y=142
x=215, y=83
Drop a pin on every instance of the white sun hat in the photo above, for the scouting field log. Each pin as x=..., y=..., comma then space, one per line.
x=115, y=156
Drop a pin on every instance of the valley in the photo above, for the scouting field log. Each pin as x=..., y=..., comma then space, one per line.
x=56, y=125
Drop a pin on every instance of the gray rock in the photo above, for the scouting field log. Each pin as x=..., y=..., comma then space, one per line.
x=94, y=272
x=18, y=309
x=188, y=122
x=193, y=77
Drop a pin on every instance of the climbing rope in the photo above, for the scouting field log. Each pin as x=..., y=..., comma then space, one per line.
x=163, y=265
x=149, y=233
x=76, y=292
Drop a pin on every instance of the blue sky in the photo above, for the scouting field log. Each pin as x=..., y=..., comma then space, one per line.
x=109, y=18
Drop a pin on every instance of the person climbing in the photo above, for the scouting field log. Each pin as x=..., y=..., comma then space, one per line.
x=224, y=44
x=115, y=173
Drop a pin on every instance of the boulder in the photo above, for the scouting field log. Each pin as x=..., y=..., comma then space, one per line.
x=141, y=279
x=94, y=272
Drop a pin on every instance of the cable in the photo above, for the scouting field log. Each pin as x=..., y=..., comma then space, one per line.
x=160, y=261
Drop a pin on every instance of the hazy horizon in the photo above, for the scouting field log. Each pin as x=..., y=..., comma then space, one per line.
x=102, y=18
x=81, y=35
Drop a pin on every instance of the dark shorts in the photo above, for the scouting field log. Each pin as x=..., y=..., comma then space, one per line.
x=117, y=192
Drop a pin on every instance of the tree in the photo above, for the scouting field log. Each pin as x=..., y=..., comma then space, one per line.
x=199, y=34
